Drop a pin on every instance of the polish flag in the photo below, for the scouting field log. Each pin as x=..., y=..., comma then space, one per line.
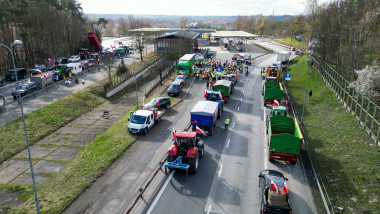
x=206, y=94
x=274, y=187
x=199, y=130
x=220, y=95
x=45, y=76
x=285, y=188
x=174, y=137
x=276, y=103
x=31, y=75
x=143, y=102
x=49, y=74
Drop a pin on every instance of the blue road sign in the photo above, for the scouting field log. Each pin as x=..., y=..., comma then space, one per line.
x=287, y=76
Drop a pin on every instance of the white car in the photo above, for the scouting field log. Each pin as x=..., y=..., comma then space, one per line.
x=75, y=58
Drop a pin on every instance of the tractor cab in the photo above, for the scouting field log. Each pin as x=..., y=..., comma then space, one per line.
x=185, y=141
x=279, y=110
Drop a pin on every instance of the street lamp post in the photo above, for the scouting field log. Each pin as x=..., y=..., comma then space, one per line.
x=134, y=74
x=18, y=42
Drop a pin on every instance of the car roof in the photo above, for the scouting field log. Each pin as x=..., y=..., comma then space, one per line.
x=273, y=175
x=176, y=82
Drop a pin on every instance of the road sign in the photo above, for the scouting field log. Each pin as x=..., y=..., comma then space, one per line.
x=219, y=71
x=287, y=76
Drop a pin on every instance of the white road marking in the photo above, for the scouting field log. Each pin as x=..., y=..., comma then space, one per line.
x=160, y=193
x=220, y=170
x=238, y=108
x=228, y=143
x=209, y=209
x=241, y=98
x=243, y=91
x=266, y=142
x=233, y=125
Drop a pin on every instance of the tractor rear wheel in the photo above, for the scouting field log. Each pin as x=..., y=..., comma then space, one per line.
x=193, y=162
x=201, y=149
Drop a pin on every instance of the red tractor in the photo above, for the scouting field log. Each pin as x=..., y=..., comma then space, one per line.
x=185, y=152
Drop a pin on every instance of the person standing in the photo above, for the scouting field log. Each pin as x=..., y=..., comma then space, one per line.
x=310, y=94
x=207, y=84
x=226, y=123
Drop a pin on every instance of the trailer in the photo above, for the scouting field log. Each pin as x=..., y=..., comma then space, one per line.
x=272, y=91
x=185, y=152
x=42, y=80
x=204, y=115
x=225, y=87
x=284, y=138
x=215, y=96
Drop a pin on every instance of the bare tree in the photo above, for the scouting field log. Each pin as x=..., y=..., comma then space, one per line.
x=183, y=22
x=123, y=26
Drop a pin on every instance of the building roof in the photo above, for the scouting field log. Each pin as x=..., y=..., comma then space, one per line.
x=197, y=30
x=232, y=34
x=181, y=34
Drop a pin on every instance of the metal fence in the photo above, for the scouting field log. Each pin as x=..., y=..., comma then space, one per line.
x=365, y=110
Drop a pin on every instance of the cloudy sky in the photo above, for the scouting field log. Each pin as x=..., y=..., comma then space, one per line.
x=195, y=7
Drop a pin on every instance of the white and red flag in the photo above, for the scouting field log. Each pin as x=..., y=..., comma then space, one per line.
x=199, y=130
x=174, y=137
x=285, y=188
x=276, y=103
x=274, y=187
x=206, y=94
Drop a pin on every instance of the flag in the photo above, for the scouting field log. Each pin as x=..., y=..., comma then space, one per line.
x=206, y=94
x=199, y=130
x=39, y=72
x=49, y=74
x=158, y=104
x=276, y=103
x=31, y=75
x=220, y=95
x=143, y=101
x=45, y=76
x=174, y=137
x=274, y=187
x=285, y=188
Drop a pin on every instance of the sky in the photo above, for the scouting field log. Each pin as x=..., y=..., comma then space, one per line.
x=195, y=7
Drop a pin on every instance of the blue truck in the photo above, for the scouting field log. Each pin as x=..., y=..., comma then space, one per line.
x=217, y=97
x=204, y=115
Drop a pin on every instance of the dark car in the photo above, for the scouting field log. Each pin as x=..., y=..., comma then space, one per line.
x=175, y=88
x=181, y=78
x=61, y=61
x=24, y=89
x=274, y=196
x=11, y=74
x=163, y=101
x=2, y=82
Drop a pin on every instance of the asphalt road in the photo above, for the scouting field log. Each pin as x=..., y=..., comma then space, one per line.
x=227, y=178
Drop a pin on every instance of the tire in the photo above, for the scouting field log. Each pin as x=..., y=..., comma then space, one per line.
x=201, y=149
x=193, y=162
x=146, y=130
x=219, y=113
x=222, y=107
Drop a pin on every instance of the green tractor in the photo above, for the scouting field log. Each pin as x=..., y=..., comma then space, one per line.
x=62, y=72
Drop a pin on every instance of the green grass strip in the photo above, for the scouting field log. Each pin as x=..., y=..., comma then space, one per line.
x=44, y=121
x=348, y=160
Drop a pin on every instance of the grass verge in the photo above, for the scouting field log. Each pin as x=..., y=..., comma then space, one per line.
x=87, y=166
x=44, y=121
x=347, y=158
x=295, y=43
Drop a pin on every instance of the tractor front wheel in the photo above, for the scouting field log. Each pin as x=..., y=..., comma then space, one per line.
x=193, y=162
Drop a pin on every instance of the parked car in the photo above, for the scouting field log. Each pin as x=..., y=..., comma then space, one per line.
x=239, y=49
x=181, y=78
x=75, y=58
x=62, y=60
x=274, y=197
x=2, y=82
x=175, y=88
x=11, y=74
x=163, y=101
x=24, y=89
x=42, y=68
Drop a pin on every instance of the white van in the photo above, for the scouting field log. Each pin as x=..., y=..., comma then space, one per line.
x=75, y=67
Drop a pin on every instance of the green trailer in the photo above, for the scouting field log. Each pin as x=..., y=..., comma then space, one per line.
x=284, y=138
x=272, y=91
x=225, y=87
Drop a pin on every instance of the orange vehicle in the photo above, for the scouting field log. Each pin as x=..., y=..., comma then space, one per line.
x=273, y=73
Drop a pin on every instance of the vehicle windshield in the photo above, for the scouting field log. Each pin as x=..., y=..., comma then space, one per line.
x=182, y=142
x=61, y=67
x=181, y=67
x=10, y=72
x=138, y=119
x=213, y=97
x=173, y=86
x=21, y=87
